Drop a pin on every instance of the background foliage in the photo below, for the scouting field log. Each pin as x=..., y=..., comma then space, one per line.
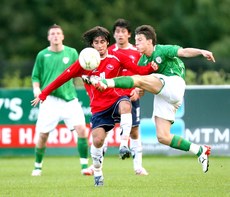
x=191, y=23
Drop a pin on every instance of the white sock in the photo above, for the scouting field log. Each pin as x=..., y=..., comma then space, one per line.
x=136, y=150
x=194, y=148
x=110, y=83
x=38, y=165
x=126, y=125
x=97, y=157
x=83, y=161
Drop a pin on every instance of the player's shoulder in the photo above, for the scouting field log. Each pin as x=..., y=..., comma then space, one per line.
x=166, y=46
x=132, y=47
x=68, y=48
x=43, y=52
x=113, y=47
x=167, y=49
x=114, y=55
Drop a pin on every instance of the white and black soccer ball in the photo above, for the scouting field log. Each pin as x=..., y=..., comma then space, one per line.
x=89, y=58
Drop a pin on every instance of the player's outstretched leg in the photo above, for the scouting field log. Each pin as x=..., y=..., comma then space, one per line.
x=201, y=151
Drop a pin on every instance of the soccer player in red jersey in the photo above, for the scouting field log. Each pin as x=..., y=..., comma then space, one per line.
x=108, y=106
x=122, y=34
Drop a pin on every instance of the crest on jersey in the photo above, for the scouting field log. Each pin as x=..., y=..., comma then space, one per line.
x=65, y=60
x=110, y=67
x=158, y=60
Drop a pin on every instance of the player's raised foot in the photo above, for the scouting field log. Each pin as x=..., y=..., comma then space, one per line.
x=99, y=84
x=124, y=152
x=98, y=181
x=88, y=171
x=36, y=172
x=86, y=79
x=141, y=172
x=203, y=158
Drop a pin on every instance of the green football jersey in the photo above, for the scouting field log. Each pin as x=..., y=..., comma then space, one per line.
x=167, y=60
x=49, y=65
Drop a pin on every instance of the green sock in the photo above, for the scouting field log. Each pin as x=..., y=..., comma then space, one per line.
x=39, y=154
x=83, y=150
x=180, y=143
x=123, y=82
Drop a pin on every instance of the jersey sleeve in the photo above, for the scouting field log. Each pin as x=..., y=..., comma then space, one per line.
x=170, y=50
x=75, y=54
x=75, y=70
x=127, y=63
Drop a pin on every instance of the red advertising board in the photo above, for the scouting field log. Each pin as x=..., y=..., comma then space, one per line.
x=24, y=136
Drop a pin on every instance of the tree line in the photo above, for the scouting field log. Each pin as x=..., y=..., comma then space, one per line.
x=191, y=23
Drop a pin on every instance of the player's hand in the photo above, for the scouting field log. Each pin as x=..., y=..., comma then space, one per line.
x=101, y=86
x=154, y=65
x=208, y=55
x=35, y=101
x=134, y=95
x=140, y=91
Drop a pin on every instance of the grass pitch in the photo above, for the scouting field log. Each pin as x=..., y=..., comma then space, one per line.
x=168, y=176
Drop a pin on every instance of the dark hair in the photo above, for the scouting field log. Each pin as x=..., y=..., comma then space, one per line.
x=148, y=31
x=54, y=26
x=90, y=35
x=122, y=23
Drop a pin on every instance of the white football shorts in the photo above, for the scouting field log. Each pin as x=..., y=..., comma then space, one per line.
x=53, y=110
x=170, y=98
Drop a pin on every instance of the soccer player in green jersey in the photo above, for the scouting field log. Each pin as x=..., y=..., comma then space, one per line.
x=62, y=104
x=168, y=85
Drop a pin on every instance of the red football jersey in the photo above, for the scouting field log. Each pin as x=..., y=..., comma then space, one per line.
x=111, y=66
x=133, y=54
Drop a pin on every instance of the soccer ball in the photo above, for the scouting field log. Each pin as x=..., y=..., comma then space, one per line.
x=89, y=58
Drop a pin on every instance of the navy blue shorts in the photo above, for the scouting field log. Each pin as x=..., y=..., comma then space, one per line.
x=136, y=112
x=107, y=118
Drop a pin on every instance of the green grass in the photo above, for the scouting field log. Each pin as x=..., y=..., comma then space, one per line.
x=168, y=176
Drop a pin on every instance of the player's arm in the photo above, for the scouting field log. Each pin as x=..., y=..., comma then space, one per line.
x=74, y=70
x=35, y=77
x=128, y=64
x=193, y=52
x=36, y=89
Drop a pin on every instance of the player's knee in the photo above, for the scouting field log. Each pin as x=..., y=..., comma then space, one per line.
x=98, y=142
x=163, y=139
x=125, y=107
x=81, y=131
x=43, y=137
